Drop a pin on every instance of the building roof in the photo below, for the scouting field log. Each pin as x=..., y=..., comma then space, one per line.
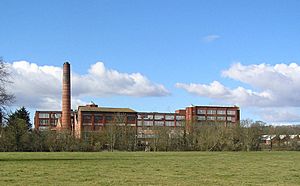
x=157, y=113
x=215, y=106
x=268, y=137
x=54, y=111
x=294, y=136
x=105, y=109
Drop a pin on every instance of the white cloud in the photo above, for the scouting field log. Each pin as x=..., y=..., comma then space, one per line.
x=279, y=114
x=280, y=80
x=210, y=38
x=273, y=86
x=216, y=90
x=104, y=82
x=40, y=86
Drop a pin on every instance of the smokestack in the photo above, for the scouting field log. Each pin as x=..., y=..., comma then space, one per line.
x=66, y=97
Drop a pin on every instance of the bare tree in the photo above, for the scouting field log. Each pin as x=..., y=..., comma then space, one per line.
x=5, y=97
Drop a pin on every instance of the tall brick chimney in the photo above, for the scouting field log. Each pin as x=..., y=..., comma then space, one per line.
x=66, y=97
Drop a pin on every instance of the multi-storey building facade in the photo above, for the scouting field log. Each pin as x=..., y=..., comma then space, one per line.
x=44, y=120
x=147, y=122
x=93, y=118
x=229, y=115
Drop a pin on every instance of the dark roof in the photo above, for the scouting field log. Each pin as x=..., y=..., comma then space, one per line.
x=167, y=113
x=215, y=106
x=56, y=111
x=105, y=109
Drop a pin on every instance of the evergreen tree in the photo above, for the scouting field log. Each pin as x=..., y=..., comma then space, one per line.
x=17, y=133
x=23, y=114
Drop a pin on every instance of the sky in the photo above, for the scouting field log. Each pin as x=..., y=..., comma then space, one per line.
x=156, y=55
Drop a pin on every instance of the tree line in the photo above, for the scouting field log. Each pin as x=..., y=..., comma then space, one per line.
x=16, y=134
x=214, y=136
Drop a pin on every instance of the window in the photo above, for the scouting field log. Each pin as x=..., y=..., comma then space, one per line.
x=180, y=117
x=87, y=119
x=159, y=123
x=43, y=115
x=200, y=117
x=211, y=111
x=221, y=112
x=44, y=122
x=170, y=123
x=108, y=118
x=150, y=116
x=140, y=123
x=130, y=118
x=230, y=112
x=201, y=111
x=158, y=117
x=169, y=117
x=232, y=119
x=54, y=122
x=179, y=123
x=98, y=119
x=43, y=128
x=57, y=115
x=148, y=123
x=140, y=116
x=221, y=118
x=211, y=118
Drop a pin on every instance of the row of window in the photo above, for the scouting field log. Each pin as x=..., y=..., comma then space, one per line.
x=99, y=118
x=158, y=123
x=129, y=118
x=43, y=127
x=109, y=124
x=219, y=112
x=46, y=122
x=47, y=115
x=213, y=118
x=160, y=117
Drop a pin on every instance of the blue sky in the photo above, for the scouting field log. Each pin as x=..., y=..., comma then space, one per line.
x=168, y=43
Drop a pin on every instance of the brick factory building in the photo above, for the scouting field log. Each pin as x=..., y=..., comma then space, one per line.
x=93, y=118
x=226, y=114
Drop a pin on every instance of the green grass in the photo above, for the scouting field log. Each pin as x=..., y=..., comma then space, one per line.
x=141, y=168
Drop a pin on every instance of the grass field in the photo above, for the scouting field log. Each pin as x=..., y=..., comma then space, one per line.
x=141, y=168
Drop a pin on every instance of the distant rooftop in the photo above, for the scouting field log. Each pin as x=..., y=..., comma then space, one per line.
x=105, y=109
x=229, y=106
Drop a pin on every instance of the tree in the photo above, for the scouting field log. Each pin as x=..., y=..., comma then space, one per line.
x=253, y=132
x=5, y=97
x=17, y=134
x=22, y=113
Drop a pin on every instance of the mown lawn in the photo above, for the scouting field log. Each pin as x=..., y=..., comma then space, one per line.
x=155, y=168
